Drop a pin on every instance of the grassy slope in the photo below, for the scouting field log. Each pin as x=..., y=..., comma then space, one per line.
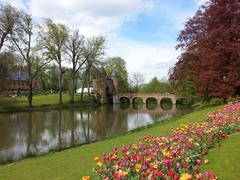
x=8, y=104
x=224, y=160
x=76, y=162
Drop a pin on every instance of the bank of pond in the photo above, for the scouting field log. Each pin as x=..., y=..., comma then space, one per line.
x=27, y=134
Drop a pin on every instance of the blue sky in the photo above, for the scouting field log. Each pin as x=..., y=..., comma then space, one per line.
x=162, y=24
x=143, y=32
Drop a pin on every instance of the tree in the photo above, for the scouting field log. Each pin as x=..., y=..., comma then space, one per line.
x=118, y=66
x=136, y=79
x=7, y=61
x=156, y=86
x=211, y=42
x=23, y=41
x=74, y=51
x=92, y=53
x=53, y=38
x=9, y=20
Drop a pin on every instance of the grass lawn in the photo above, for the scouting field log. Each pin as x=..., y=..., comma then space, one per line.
x=8, y=104
x=76, y=162
x=225, y=160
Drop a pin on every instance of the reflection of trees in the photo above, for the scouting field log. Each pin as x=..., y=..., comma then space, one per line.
x=29, y=137
x=60, y=129
x=107, y=122
x=39, y=132
x=86, y=125
x=72, y=121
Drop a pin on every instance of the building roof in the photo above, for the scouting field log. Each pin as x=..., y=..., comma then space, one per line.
x=23, y=76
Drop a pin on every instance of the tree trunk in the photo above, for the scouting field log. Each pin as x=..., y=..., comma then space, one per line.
x=88, y=83
x=60, y=85
x=2, y=39
x=60, y=130
x=30, y=92
x=30, y=87
x=84, y=83
x=73, y=87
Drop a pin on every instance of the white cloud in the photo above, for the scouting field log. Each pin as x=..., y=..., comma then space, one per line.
x=201, y=2
x=149, y=59
x=91, y=16
x=16, y=3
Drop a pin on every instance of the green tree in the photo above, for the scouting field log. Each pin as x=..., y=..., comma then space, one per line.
x=118, y=65
x=157, y=86
x=9, y=21
x=52, y=39
x=74, y=51
x=7, y=61
x=94, y=49
x=23, y=40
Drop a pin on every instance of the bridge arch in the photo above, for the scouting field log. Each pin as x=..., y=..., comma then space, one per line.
x=168, y=99
x=124, y=99
x=137, y=98
x=151, y=98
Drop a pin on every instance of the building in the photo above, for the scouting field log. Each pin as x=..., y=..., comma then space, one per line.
x=106, y=88
x=18, y=83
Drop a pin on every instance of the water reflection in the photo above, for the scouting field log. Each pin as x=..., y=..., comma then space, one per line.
x=33, y=133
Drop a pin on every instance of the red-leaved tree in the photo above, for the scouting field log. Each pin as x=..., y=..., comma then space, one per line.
x=210, y=43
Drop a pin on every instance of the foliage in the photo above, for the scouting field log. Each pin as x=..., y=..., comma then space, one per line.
x=156, y=86
x=93, y=52
x=210, y=44
x=7, y=61
x=23, y=43
x=52, y=39
x=118, y=66
x=74, y=51
x=233, y=99
x=9, y=22
x=216, y=101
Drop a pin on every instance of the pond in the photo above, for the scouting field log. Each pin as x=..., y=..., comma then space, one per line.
x=33, y=133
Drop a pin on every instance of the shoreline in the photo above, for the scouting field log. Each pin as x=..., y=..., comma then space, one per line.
x=49, y=107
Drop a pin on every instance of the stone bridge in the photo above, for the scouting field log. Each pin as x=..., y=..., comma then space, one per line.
x=145, y=96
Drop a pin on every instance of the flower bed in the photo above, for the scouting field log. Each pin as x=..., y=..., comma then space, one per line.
x=176, y=157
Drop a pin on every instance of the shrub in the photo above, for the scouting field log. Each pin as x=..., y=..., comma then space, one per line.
x=232, y=99
x=216, y=101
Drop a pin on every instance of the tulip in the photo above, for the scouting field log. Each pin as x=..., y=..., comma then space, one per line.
x=206, y=161
x=86, y=178
x=178, y=165
x=96, y=159
x=199, y=176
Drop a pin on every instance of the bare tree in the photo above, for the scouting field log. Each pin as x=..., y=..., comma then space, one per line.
x=23, y=41
x=136, y=79
x=74, y=51
x=53, y=38
x=9, y=19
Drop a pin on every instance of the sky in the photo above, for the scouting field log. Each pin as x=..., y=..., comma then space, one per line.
x=143, y=32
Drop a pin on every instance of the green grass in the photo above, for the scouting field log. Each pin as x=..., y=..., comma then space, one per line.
x=224, y=160
x=76, y=162
x=8, y=104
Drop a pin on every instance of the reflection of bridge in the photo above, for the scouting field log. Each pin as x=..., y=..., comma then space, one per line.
x=144, y=109
x=146, y=96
